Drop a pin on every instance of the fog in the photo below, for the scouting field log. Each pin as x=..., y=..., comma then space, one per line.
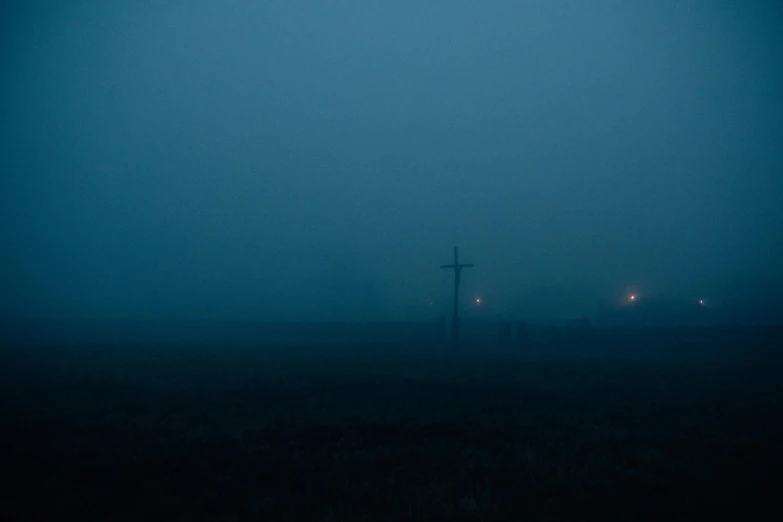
x=319, y=160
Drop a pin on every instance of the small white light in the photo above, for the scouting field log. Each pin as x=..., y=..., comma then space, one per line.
x=478, y=300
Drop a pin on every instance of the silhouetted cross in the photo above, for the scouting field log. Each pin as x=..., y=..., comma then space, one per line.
x=457, y=270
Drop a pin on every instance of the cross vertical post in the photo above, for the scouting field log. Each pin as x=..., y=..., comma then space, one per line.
x=457, y=272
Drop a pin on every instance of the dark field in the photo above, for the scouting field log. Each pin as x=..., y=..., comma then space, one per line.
x=650, y=426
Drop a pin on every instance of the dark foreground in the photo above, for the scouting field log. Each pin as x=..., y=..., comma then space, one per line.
x=382, y=433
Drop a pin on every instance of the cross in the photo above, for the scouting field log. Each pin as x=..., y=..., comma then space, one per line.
x=457, y=269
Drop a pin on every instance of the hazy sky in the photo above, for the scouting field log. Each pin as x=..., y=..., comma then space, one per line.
x=320, y=159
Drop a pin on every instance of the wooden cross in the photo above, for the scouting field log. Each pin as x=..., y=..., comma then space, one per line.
x=457, y=269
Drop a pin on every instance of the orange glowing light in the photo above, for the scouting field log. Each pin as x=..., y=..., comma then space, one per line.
x=633, y=298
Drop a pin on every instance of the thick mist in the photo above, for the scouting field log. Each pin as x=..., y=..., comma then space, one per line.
x=319, y=160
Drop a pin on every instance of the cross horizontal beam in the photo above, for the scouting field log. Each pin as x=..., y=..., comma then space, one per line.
x=457, y=266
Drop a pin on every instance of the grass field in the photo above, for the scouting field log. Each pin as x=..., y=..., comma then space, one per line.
x=382, y=432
